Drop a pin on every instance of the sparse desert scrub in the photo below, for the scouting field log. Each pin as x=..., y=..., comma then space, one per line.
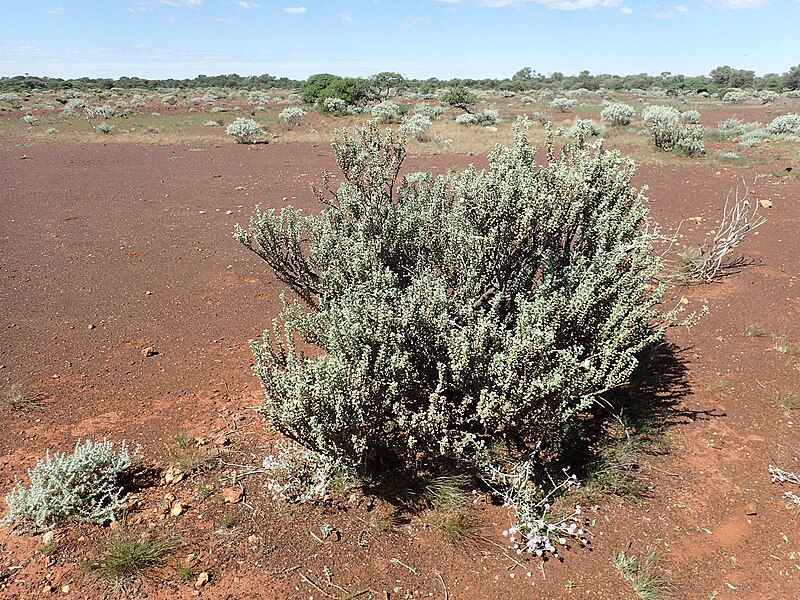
x=416, y=126
x=82, y=486
x=334, y=106
x=244, y=130
x=387, y=111
x=127, y=558
x=669, y=133
x=429, y=357
x=585, y=128
x=642, y=575
x=15, y=396
x=618, y=113
x=432, y=111
x=735, y=97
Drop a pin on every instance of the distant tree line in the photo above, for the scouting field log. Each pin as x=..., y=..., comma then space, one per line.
x=379, y=86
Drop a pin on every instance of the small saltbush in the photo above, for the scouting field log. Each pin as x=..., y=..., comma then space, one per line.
x=416, y=126
x=618, y=113
x=386, y=111
x=767, y=96
x=169, y=100
x=432, y=111
x=10, y=97
x=669, y=133
x=735, y=96
x=584, y=129
x=690, y=116
x=257, y=98
x=731, y=127
x=564, y=105
x=334, y=106
x=244, y=130
x=82, y=486
x=488, y=116
x=785, y=124
x=753, y=137
x=30, y=119
x=466, y=119
x=292, y=115
x=103, y=127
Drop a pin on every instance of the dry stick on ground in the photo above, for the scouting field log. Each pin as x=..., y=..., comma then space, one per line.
x=738, y=221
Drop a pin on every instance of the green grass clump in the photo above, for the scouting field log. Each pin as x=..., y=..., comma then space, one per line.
x=642, y=575
x=126, y=559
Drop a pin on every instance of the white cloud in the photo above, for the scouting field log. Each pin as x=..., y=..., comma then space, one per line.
x=740, y=4
x=625, y=10
x=188, y=3
x=414, y=21
x=459, y=1
x=245, y=4
x=556, y=4
x=295, y=10
x=680, y=8
x=346, y=17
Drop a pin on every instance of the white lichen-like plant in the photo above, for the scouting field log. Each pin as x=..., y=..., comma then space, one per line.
x=458, y=316
x=416, y=126
x=244, y=130
x=82, y=486
x=670, y=133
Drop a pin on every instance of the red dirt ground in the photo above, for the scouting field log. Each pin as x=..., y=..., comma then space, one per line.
x=108, y=249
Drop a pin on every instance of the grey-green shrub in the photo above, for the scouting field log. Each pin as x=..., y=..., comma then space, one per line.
x=386, y=111
x=432, y=111
x=452, y=315
x=563, y=105
x=416, y=126
x=82, y=486
x=670, y=133
x=488, y=116
x=334, y=106
x=785, y=124
x=753, y=137
x=585, y=128
x=244, y=130
x=292, y=115
x=618, y=113
x=257, y=98
x=735, y=96
x=690, y=116
x=466, y=119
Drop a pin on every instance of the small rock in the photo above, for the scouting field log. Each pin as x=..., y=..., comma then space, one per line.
x=48, y=537
x=47, y=589
x=750, y=509
x=765, y=203
x=173, y=475
x=65, y=588
x=149, y=351
x=202, y=579
x=92, y=326
x=176, y=509
x=232, y=495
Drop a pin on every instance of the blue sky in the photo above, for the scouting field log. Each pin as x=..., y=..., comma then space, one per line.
x=419, y=38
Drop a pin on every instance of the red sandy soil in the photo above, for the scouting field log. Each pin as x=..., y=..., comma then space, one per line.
x=109, y=249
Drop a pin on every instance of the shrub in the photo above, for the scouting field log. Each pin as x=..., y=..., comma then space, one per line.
x=103, y=127
x=169, y=100
x=735, y=96
x=456, y=315
x=767, y=96
x=292, y=115
x=257, y=98
x=334, y=106
x=466, y=119
x=690, y=116
x=785, y=124
x=669, y=133
x=416, y=126
x=618, y=113
x=82, y=486
x=10, y=97
x=585, y=128
x=244, y=130
x=318, y=87
x=731, y=127
x=386, y=111
x=459, y=97
x=428, y=110
x=563, y=105
x=488, y=116
x=30, y=119
x=753, y=137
